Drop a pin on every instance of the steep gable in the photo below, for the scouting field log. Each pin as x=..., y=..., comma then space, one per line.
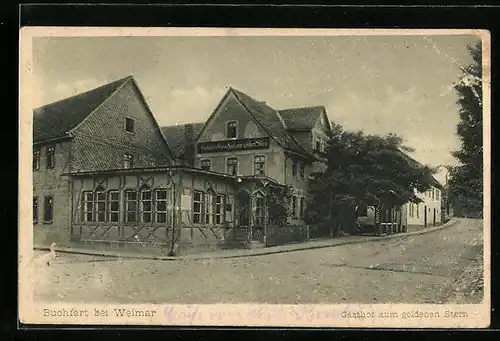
x=270, y=121
x=177, y=138
x=55, y=120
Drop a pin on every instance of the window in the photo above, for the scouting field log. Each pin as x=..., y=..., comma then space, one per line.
x=294, y=168
x=36, y=159
x=232, y=130
x=260, y=212
x=131, y=206
x=100, y=206
x=161, y=205
x=219, y=208
x=259, y=165
x=114, y=206
x=48, y=213
x=198, y=207
x=35, y=210
x=410, y=209
x=417, y=206
x=232, y=166
x=206, y=164
x=51, y=161
x=302, y=207
x=302, y=170
x=294, y=206
x=128, y=160
x=129, y=124
x=432, y=193
x=317, y=144
x=437, y=194
x=146, y=206
x=208, y=207
x=88, y=206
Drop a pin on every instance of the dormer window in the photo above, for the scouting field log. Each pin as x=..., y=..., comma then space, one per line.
x=129, y=125
x=232, y=130
x=128, y=160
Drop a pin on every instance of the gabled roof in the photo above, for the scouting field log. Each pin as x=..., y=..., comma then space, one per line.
x=301, y=118
x=55, y=120
x=271, y=121
x=411, y=160
x=176, y=138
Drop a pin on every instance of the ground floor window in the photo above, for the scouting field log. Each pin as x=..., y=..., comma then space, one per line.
x=131, y=206
x=220, y=200
x=161, y=205
x=260, y=211
x=114, y=206
x=198, y=207
x=48, y=212
x=35, y=210
x=146, y=206
x=100, y=206
x=88, y=206
x=302, y=207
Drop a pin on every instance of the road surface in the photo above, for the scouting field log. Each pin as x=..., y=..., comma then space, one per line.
x=443, y=266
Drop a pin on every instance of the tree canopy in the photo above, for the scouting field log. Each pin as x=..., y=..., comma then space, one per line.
x=466, y=179
x=367, y=170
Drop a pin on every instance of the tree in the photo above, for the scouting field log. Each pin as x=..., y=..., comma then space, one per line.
x=466, y=179
x=364, y=170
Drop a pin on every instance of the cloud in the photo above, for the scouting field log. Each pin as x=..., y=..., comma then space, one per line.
x=185, y=105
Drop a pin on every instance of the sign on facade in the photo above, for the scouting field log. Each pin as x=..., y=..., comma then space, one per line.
x=233, y=145
x=185, y=202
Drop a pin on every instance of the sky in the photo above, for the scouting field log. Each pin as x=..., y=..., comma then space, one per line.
x=377, y=84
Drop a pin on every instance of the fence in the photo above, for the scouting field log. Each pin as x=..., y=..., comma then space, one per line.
x=280, y=235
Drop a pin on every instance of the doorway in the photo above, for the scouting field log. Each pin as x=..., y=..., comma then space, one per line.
x=425, y=216
x=434, y=217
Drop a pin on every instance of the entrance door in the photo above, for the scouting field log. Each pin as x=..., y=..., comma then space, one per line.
x=425, y=216
x=434, y=217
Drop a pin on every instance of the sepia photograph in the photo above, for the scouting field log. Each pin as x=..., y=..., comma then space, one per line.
x=256, y=177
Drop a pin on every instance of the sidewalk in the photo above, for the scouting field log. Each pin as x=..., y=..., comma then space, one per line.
x=235, y=253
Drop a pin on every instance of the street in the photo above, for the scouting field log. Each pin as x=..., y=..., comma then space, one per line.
x=443, y=266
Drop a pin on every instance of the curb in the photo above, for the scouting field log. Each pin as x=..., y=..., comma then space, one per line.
x=264, y=253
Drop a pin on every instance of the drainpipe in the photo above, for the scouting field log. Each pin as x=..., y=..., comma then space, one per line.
x=174, y=210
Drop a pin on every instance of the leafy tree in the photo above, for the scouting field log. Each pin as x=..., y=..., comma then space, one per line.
x=364, y=170
x=466, y=179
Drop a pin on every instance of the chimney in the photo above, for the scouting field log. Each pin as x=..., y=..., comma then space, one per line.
x=189, y=144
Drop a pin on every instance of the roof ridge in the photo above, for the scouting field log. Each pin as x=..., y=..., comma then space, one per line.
x=117, y=81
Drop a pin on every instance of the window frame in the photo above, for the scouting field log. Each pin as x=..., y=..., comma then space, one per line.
x=109, y=203
x=260, y=211
x=262, y=163
x=235, y=158
x=201, y=212
x=48, y=199
x=209, y=164
x=142, y=212
x=227, y=129
x=295, y=168
x=301, y=173
x=302, y=207
x=50, y=154
x=220, y=209
x=128, y=157
x=37, y=152
x=129, y=119
x=127, y=210
x=157, y=200
x=98, y=201
x=85, y=210
x=35, y=210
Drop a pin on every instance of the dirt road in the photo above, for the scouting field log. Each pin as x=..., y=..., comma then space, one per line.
x=428, y=268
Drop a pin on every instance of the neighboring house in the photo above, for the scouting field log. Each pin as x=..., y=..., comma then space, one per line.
x=110, y=127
